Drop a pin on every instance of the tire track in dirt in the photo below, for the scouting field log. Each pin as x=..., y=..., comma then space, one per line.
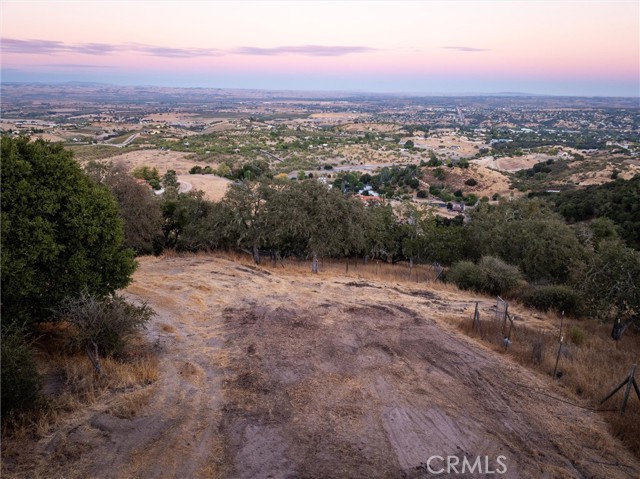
x=283, y=374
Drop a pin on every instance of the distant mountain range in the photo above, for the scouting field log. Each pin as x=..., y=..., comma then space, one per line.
x=317, y=94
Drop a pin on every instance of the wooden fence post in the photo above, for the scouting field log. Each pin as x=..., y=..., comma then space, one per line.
x=629, y=381
x=560, y=340
x=476, y=319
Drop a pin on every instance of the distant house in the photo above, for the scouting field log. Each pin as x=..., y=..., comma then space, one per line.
x=369, y=199
x=368, y=191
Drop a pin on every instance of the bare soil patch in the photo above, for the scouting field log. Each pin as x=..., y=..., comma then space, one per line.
x=449, y=145
x=512, y=163
x=489, y=181
x=272, y=372
x=214, y=187
x=163, y=160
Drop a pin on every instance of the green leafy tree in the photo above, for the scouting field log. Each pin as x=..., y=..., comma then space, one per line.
x=61, y=232
x=192, y=223
x=448, y=242
x=146, y=173
x=381, y=232
x=170, y=180
x=140, y=209
x=610, y=281
x=247, y=203
x=305, y=212
x=433, y=159
x=527, y=234
x=617, y=200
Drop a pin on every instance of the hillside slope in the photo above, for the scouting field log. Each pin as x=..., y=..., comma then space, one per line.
x=275, y=373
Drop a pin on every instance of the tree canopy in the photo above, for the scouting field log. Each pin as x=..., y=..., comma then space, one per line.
x=529, y=235
x=140, y=209
x=617, y=200
x=61, y=232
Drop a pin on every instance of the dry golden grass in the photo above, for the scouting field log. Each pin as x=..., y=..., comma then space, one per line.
x=214, y=187
x=128, y=405
x=321, y=370
x=346, y=268
x=74, y=384
x=340, y=374
x=588, y=355
x=168, y=328
x=163, y=160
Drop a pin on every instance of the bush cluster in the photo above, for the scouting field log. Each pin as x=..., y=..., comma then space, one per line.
x=465, y=275
x=490, y=275
x=107, y=322
x=558, y=297
x=471, y=182
x=20, y=381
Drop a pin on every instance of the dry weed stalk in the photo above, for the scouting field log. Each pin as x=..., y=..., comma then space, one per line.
x=589, y=363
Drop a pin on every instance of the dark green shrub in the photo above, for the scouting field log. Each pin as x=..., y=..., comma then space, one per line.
x=471, y=182
x=61, y=232
x=422, y=194
x=558, y=297
x=491, y=275
x=20, y=381
x=471, y=200
x=500, y=278
x=170, y=179
x=466, y=275
x=107, y=322
x=146, y=173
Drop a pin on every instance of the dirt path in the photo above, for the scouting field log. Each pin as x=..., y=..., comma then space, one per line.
x=283, y=375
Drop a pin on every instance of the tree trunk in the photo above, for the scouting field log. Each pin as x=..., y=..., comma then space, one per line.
x=314, y=267
x=256, y=255
x=346, y=268
x=618, y=329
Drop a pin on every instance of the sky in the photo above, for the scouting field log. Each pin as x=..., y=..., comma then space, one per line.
x=560, y=47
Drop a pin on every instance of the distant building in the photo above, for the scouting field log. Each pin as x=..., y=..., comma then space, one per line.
x=369, y=199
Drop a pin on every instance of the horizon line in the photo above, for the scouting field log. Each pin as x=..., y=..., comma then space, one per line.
x=347, y=91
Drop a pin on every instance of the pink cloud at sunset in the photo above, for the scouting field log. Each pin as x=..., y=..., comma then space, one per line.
x=561, y=47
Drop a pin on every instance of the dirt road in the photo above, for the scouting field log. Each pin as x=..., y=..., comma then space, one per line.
x=280, y=374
